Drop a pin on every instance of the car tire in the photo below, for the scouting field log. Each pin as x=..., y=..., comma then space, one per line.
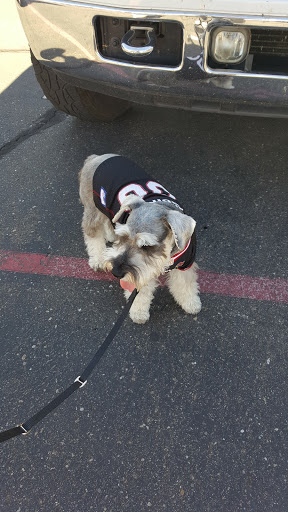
x=82, y=103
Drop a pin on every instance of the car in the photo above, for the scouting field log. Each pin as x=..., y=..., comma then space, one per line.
x=96, y=61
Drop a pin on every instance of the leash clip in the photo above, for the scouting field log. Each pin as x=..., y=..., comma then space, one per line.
x=25, y=431
x=81, y=382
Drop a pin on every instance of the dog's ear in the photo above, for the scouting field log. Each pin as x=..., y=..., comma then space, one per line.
x=146, y=240
x=131, y=202
x=182, y=227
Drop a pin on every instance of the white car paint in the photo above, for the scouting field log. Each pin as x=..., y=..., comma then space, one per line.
x=244, y=7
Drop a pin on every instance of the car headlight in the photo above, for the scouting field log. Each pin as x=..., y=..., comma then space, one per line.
x=230, y=45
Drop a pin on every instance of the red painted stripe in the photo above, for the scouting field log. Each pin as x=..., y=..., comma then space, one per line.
x=48, y=265
x=258, y=288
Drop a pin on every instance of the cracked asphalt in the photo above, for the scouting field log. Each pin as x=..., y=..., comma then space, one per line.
x=182, y=414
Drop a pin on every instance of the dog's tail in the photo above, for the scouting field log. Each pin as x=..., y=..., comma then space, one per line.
x=91, y=157
x=88, y=159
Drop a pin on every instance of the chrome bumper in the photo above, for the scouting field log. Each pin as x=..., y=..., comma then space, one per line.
x=61, y=35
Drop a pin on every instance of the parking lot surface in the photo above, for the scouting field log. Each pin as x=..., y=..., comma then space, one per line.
x=183, y=413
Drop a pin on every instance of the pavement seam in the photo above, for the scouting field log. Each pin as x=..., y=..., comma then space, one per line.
x=50, y=118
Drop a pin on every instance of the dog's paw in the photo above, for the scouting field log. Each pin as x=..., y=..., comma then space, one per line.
x=139, y=316
x=193, y=306
x=95, y=264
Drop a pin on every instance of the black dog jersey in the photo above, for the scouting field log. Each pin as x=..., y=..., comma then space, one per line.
x=116, y=178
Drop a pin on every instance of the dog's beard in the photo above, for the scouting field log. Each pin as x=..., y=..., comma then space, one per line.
x=139, y=268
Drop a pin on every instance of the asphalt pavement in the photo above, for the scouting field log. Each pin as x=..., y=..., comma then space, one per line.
x=183, y=413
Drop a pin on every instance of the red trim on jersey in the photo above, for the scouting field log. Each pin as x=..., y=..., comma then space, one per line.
x=98, y=195
x=184, y=269
x=180, y=253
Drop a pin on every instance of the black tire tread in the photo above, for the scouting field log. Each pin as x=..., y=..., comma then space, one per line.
x=82, y=103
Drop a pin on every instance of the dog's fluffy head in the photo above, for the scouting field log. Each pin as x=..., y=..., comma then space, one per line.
x=144, y=245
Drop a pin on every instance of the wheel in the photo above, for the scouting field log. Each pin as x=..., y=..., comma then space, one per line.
x=84, y=104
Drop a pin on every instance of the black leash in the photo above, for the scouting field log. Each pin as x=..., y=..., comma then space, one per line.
x=79, y=382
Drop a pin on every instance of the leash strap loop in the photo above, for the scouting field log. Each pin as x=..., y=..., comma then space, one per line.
x=79, y=382
x=78, y=379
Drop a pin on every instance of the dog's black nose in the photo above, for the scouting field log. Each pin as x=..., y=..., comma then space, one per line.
x=118, y=272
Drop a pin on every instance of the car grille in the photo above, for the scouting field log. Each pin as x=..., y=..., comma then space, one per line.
x=269, y=42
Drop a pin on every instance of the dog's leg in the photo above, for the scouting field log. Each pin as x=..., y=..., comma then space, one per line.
x=185, y=290
x=140, y=308
x=109, y=232
x=95, y=232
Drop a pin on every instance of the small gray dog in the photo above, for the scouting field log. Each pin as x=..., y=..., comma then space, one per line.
x=148, y=232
